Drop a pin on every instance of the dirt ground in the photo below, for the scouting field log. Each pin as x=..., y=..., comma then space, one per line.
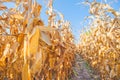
x=82, y=70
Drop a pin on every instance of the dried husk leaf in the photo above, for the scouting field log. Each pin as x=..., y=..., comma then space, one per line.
x=26, y=72
x=34, y=41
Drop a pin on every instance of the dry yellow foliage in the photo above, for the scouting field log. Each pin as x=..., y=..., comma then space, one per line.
x=100, y=45
x=34, y=41
x=26, y=72
x=29, y=50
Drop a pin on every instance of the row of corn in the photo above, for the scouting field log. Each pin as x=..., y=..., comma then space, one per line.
x=100, y=44
x=29, y=50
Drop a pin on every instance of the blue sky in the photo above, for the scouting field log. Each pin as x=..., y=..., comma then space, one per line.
x=73, y=11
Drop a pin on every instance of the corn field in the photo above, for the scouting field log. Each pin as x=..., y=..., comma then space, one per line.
x=32, y=50
x=100, y=45
x=29, y=50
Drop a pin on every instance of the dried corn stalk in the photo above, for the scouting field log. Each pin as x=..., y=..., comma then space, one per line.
x=100, y=45
x=29, y=50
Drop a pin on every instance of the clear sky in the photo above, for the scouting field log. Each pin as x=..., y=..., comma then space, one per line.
x=73, y=11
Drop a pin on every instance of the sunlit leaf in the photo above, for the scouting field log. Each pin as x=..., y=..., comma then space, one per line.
x=34, y=41
x=26, y=72
x=46, y=38
x=2, y=7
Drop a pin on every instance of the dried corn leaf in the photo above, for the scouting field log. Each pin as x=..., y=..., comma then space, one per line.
x=2, y=7
x=37, y=66
x=17, y=16
x=118, y=70
x=45, y=37
x=47, y=28
x=34, y=41
x=112, y=73
x=26, y=72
